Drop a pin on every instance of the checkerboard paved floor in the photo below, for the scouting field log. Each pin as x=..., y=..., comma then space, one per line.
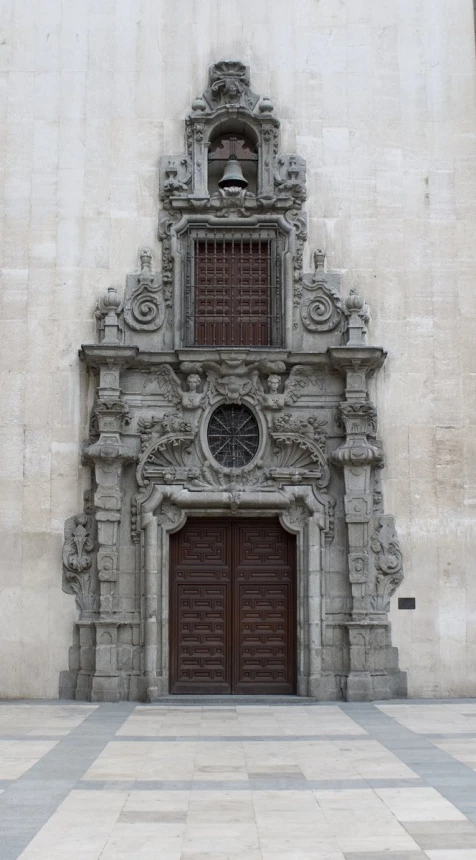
x=238, y=782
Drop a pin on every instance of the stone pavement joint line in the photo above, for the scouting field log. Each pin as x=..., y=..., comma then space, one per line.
x=328, y=781
x=30, y=801
x=451, y=778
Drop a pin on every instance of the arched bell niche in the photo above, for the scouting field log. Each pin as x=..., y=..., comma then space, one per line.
x=231, y=143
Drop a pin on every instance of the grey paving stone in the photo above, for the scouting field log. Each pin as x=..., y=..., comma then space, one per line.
x=395, y=783
x=442, y=835
x=435, y=767
x=439, y=827
x=239, y=738
x=385, y=855
x=33, y=738
x=145, y=816
x=29, y=801
x=277, y=773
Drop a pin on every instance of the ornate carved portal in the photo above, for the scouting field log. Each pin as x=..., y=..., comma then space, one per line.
x=184, y=427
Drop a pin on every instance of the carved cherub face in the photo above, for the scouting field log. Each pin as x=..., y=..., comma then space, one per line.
x=273, y=382
x=193, y=381
x=232, y=90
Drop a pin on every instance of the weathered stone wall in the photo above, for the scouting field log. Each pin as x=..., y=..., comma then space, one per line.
x=379, y=97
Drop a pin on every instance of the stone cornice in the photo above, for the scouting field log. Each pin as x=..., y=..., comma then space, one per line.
x=368, y=358
x=95, y=355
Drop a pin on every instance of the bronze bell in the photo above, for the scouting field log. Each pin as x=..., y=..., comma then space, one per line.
x=233, y=175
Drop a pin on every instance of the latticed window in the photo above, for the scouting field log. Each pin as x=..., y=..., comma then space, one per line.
x=233, y=289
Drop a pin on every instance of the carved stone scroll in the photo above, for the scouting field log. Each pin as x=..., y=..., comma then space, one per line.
x=144, y=304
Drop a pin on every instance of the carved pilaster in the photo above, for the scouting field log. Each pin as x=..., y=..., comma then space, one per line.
x=374, y=559
x=108, y=454
x=358, y=454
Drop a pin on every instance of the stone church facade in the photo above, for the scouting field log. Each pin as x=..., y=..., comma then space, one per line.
x=232, y=393
x=237, y=412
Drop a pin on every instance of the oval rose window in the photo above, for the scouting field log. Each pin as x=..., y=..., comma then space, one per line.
x=233, y=435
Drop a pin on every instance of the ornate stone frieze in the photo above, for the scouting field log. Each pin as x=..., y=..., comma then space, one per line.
x=193, y=199
x=388, y=562
x=360, y=448
x=161, y=425
x=329, y=503
x=158, y=453
x=321, y=307
x=145, y=299
x=290, y=177
x=232, y=380
x=168, y=514
x=169, y=384
x=297, y=515
x=165, y=450
x=300, y=444
x=78, y=553
x=281, y=181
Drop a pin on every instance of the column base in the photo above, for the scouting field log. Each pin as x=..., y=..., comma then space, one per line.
x=359, y=687
x=105, y=688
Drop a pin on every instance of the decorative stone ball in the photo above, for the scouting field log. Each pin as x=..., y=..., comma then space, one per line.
x=112, y=301
x=354, y=302
x=266, y=105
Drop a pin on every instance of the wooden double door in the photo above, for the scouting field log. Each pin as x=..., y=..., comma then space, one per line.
x=232, y=607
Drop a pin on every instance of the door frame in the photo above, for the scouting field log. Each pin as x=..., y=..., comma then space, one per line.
x=233, y=634
x=301, y=511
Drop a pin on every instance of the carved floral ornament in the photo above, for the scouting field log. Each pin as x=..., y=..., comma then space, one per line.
x=388, y=562
x=78, y=548
x=168, y=442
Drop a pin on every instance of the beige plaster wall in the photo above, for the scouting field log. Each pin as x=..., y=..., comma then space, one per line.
x=379, y=97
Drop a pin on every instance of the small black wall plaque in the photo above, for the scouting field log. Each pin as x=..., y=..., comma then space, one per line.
x=406, y=603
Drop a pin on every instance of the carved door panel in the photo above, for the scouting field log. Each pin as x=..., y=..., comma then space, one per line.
x=264, y=608
x=200, y=608
x=232, y=608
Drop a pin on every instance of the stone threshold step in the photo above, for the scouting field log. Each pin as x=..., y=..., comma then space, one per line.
x=232, y=700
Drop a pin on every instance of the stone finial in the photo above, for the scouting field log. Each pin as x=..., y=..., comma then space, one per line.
x=199, y=104
x=319, y=259
x=111, y=301
x=146, y=260
x=266, y=105
x=107, y=310
x=358, y=316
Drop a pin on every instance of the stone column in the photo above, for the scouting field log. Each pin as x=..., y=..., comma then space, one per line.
x=357, y=456
x=108, y=456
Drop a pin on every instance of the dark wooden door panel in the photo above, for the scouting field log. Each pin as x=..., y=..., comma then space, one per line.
x=264, y=608
x=202, y=626
x=263, y=656
x=200, y=608
x=232, y=608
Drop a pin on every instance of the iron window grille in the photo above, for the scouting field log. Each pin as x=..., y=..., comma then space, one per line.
x=233, y=435
x=233, y=293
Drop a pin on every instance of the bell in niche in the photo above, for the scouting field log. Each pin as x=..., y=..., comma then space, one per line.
x=233, y=174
